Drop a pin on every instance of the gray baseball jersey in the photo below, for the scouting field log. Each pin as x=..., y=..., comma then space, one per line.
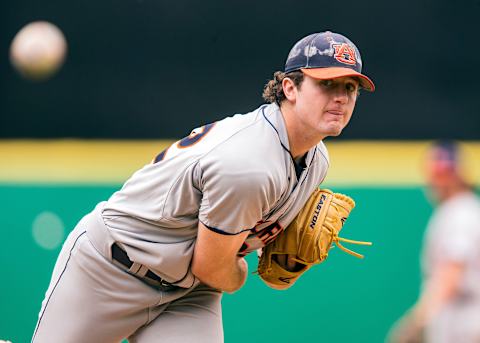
x=234, y=175
x=453, y=235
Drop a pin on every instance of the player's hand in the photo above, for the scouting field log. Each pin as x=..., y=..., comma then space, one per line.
x=405, y=330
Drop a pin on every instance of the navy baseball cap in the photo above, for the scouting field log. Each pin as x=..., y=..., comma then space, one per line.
x=327, y=55
x=445, y=151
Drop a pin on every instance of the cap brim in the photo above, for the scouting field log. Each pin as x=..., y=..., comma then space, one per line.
x=334, y=72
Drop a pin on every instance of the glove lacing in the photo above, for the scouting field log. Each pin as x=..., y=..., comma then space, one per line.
x=337, y=241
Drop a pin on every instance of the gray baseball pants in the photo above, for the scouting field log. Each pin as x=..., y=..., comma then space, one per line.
x=91, y=299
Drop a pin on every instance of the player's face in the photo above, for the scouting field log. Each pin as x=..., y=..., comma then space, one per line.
x=439, y=174
x=326, y=106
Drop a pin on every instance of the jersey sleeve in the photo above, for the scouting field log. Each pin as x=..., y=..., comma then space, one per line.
x=235, y=194
x=462, y=239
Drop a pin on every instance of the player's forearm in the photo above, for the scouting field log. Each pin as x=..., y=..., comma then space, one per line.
x=432, y=301
x=440, y=289
x=225, y=277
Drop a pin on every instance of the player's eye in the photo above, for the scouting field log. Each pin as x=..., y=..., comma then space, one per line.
x=327, y=83
x=351, y=87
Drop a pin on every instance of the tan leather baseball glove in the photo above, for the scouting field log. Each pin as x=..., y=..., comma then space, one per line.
x=308, y=239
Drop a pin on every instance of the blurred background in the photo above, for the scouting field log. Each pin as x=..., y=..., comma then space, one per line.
x=139, y=74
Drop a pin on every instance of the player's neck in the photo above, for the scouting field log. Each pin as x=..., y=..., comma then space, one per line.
x=299, y=138
x=453, y=190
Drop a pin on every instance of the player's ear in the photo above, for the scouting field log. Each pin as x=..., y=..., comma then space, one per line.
x=289, y=89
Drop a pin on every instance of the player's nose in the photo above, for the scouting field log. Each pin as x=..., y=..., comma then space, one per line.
x=340, y=94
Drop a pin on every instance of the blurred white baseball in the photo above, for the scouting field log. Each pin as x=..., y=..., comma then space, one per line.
x=38, y=50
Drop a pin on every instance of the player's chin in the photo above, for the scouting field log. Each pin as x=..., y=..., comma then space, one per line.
x=334, y=130
x=335, y=133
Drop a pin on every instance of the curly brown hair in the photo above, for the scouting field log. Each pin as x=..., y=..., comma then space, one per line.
x=273, y=90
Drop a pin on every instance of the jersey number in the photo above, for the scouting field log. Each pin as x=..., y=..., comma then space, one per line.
x=188, y=141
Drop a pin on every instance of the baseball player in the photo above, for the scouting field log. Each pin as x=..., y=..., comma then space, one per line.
x=448, y=309
x=151, y=263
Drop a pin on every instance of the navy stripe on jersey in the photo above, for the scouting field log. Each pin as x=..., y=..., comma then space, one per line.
x=278, y=134
x=298, y=168
x=214, y=229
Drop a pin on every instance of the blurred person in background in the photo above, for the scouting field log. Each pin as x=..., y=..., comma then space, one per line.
x=448, y=308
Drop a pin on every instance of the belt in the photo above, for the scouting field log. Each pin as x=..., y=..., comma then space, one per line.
x=119, y=255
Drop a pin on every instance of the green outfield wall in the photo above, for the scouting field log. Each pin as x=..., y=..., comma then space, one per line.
x=342, y=300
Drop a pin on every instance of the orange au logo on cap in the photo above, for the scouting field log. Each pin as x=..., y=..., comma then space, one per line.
x=344, y=53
